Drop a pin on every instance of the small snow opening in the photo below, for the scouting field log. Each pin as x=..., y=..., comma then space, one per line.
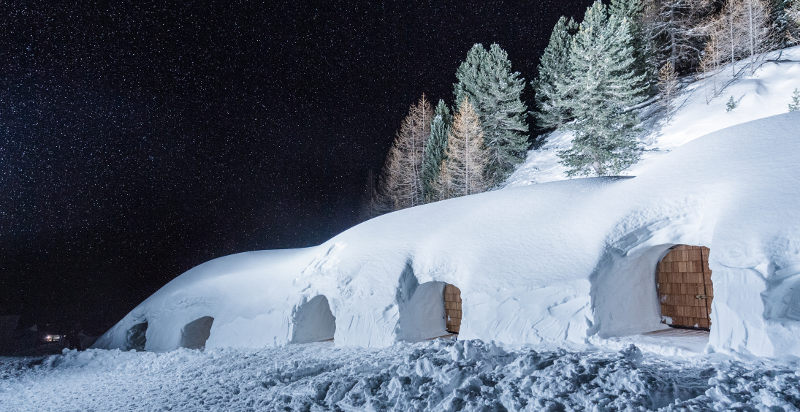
x=136, y=336
x=195, y=334
x=314, y=321
x=433, y=311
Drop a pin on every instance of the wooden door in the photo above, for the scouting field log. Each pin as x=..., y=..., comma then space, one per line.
x=452, y=308
x=684, y=287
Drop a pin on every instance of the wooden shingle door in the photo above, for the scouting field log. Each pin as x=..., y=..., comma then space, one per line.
x=452, y=308
x=684, y=287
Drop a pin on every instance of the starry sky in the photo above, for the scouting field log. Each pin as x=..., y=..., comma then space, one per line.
x=139, y=138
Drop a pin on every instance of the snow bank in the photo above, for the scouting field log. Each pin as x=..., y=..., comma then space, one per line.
x=440, y=375
x=563, y=261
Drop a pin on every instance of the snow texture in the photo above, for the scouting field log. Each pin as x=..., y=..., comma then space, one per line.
x=569, y=261
x=440, y=375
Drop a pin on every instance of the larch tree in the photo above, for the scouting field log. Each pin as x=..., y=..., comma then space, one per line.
x=605, y=87
x=741, y=29
x=435, y=151
x=401, y=183
x=668, y=86
x=463, y=172
x=552, y=109
x=495, y=91
x=793, y=17
x=674, y=29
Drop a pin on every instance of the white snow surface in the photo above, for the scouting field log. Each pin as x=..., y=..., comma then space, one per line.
x=441, y=375
x=699, y=109
x=570, y=261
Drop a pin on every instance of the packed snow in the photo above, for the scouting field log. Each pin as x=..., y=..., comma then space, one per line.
x=440, y=375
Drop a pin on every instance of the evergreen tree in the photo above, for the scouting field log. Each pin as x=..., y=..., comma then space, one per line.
x=552, y=108
x=633, y=12
x=730, y=104
x=604, y=87
x=485, y=77
x=794, y=106
x=780, y=22
x=435, y=151
x=463, y=170
x=401, y=184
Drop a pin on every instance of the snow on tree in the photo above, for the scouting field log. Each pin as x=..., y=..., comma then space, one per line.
x=781, y=23
x=604, y=87
x=794, y=106
x=463, y=172
x=633, y=11
x=552, y=108
x=674, y=28
x=667, y=85
x=401, y=185
x=485, y=77
x=435, y=151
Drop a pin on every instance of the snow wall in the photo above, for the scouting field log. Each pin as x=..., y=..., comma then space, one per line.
x=561, y=261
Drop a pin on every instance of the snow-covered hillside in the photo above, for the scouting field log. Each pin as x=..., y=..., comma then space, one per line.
x=699, y=110
x=560, y=262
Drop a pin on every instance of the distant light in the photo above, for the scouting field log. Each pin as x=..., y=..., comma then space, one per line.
x=53, y=338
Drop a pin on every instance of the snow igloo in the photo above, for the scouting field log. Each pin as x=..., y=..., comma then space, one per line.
x=569, y=261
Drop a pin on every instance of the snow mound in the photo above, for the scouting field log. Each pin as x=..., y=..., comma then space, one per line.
x=700, y=109
x=439, y=375
x=564, y=261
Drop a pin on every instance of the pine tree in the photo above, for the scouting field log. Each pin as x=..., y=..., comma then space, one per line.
x=605, y=87
x=435, y=150
x=730, y=104
x=780, y=22
x=485, y=77
x=794, y=106
x=463, y=172
x=401, y=185
x=552, y=110
x=633, y=12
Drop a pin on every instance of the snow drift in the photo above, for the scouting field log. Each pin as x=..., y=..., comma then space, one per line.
x=440, y=375
x=562, y=261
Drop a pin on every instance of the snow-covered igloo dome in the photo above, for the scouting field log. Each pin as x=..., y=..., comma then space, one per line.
x=562, y=261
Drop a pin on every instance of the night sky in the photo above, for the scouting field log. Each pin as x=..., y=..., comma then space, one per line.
x=139, y=139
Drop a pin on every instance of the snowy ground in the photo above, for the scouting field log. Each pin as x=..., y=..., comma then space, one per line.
x=439, y=375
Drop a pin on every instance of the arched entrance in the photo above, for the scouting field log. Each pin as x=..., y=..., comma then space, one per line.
x=684, y=287
x=314, y=321
x=137, y=336
x=195, y=334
